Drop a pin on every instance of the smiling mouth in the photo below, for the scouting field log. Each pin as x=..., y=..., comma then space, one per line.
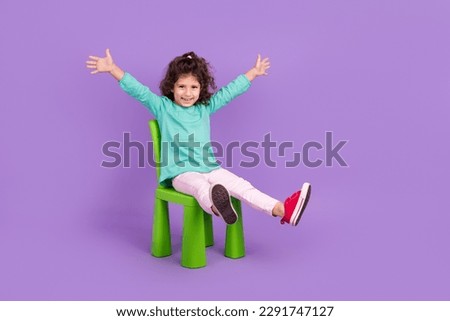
x=187, y=100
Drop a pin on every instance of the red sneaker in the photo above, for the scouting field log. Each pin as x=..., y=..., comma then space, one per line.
x=295, y=205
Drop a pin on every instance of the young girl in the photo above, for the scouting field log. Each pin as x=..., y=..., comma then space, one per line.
x=183, y=114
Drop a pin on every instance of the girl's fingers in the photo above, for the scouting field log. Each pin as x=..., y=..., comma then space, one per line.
x=90, y=62
x=91, y=66
x=94, y=72
x=94, y=58
x=108, y=54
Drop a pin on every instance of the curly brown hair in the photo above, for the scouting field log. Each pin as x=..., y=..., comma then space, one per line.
x=189, y=63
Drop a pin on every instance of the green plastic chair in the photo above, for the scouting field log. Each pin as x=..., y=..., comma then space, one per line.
x=197, y=224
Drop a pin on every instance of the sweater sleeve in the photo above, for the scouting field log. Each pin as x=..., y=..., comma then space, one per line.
x=142, y=93
x=226, y=94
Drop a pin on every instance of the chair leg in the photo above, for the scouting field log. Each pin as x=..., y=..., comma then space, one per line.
x=161, y=241
x=193, y=252
x=234, y=239
x=209, y=234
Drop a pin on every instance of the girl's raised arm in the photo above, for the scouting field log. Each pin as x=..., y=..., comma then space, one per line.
x=259, y=69
x=127, y=82
x=105, y=64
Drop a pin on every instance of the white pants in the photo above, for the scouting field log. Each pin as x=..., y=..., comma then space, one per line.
x=199, y=184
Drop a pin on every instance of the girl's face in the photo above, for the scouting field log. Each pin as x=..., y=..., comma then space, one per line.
x=186, y=90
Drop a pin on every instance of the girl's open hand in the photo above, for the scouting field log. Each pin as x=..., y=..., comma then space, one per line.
x=259, y=69
x=104, y=64
x=261, y=66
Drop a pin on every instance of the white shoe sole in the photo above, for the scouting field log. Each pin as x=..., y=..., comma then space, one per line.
x=301, y=204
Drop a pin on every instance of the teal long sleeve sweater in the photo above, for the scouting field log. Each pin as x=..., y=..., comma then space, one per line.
x=185, y=131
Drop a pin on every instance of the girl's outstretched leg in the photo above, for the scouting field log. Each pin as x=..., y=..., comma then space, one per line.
x=290, y=211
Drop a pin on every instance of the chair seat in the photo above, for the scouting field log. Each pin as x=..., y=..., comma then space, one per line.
x=171, y=195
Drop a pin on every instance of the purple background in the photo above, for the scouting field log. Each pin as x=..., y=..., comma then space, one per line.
x=376, y=73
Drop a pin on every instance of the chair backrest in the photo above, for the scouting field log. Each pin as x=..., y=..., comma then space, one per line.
x=156, y=137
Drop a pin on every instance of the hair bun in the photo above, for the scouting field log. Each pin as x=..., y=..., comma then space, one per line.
x=190, y=55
